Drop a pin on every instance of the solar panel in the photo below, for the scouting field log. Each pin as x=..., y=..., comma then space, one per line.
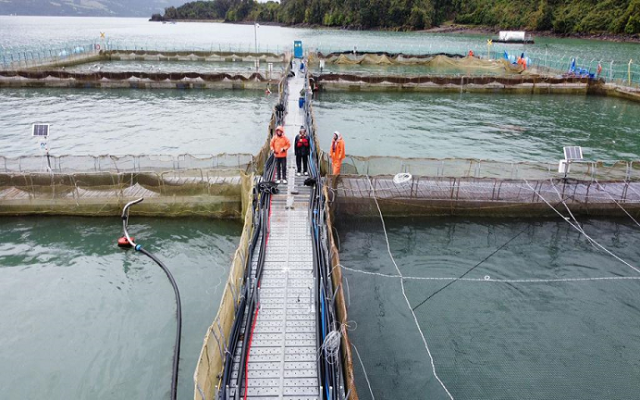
x=41, y=130
x=572, y=153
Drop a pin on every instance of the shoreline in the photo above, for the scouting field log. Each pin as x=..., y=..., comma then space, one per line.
x=479, y=30
x=453, y=29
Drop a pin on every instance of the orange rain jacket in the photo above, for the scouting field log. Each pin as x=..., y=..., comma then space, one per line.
x=337, y=150
x=279, y=143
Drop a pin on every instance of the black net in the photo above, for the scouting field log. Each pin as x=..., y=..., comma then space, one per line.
x=526, y=309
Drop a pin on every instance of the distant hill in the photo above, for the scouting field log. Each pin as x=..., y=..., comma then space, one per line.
x=562, y=17
x=99, y=8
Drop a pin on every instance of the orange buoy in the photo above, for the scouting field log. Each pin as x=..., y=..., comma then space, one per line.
x=123, y=242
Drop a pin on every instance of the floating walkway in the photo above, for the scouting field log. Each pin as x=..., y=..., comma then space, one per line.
x=282, y=357
x=281, y=329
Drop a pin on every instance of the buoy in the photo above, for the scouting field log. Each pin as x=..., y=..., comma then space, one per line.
x=402, y=178
x=124, y=243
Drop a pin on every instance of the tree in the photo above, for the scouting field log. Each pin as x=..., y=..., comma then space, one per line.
x=562, y=16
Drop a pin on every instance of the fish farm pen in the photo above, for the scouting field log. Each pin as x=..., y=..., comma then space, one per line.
x=364, y=284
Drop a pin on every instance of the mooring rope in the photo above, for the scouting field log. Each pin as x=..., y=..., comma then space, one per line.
x=579, y=229
x=577, y=224
x=488, y=279
x=424, y=340
x=602, y=189
x=366, y=377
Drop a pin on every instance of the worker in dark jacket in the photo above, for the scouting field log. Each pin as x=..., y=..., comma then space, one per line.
x=302, y=146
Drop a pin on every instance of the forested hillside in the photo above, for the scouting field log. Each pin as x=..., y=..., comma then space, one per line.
x=559, y=16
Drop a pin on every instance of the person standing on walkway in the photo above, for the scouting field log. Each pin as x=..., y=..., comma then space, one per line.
x=279, y=145
x=301, y=147
x=337, y=152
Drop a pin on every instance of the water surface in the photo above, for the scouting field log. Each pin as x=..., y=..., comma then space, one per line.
x=130, y=121
x=571, y=339
x=83, y=319
x=499, y=127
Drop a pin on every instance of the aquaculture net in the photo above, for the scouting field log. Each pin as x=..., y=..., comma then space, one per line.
x=123, y=163
x=441, y=63
x=86, y=185
x=426, y=187
x=475, y=168
x=492, y=308
x=211, y=361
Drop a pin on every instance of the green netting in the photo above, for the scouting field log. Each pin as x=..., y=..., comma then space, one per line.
x=100, y=185
x=124, y=163
x=473, y=168
x=471, y=65
x=211, y=360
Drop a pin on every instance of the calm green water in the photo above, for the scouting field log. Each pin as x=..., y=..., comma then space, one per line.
x=238, y=67
x=491, y=340
x=93, y=121
x=19, y=33
x=82, y=319
x=485, y=126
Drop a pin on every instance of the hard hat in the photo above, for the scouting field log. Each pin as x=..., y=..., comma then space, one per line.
x=280, y=128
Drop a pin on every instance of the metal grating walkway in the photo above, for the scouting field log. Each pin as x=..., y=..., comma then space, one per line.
x=283, y=354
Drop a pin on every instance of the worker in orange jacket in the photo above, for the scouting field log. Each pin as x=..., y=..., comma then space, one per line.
x=337, y=152
x=279, y=145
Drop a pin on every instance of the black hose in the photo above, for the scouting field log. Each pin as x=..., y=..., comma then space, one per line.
x=262, y=194
x=176, y=347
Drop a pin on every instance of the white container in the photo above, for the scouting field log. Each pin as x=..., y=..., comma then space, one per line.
x=508, y=36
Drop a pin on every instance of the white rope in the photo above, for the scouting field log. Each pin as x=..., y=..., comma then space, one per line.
x=579, y=229
x=331, y=346
x=617, y=203
x=424, y=340
x=366, y=377
x=370, y=273
x=491, y=280
x=577, y=224
x=630, y=186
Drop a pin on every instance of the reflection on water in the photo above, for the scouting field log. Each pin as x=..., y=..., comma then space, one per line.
x=574, y=337
x=83, y=319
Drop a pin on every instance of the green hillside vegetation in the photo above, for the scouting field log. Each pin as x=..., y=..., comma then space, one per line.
x=559, y=16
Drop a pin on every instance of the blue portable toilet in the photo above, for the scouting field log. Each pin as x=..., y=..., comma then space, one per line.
x=297, y=49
